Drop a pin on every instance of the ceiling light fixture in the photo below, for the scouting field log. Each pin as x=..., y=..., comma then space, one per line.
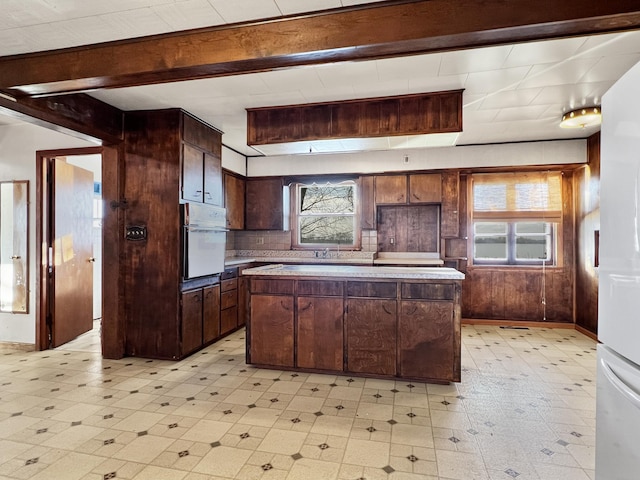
x=582, y=117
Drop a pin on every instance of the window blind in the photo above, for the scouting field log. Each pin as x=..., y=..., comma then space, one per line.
x=517, y=193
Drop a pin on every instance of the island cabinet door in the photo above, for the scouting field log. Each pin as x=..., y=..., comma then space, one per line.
x=271, y=330
x=320, y=333
x=371, y=336
x=211, y=313
x=426, y=340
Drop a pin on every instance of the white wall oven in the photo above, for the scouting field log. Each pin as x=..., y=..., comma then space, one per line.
x=203, y=240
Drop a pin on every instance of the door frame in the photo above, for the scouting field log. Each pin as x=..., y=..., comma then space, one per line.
x=112, y=331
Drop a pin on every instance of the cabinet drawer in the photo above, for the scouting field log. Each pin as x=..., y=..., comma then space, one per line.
x=231, y=272
x=231, y=284
x=427, y=291
x=228, y=299
x=284, y=287
x=372, y=289
x=320, y=288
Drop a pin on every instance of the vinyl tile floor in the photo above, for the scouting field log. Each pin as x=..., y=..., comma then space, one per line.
x=525, y=409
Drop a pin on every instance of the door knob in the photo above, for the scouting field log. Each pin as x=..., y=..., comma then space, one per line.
x=92, y=259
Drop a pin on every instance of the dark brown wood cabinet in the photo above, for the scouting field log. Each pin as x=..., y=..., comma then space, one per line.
x=395, y=328
x=162, y=319
x=234, y=200
x=450, y=221
x=228, y=303
x=371, y=336
x=425, y=188
x=390, y=189
x=271, y=333
x=265, y=203
x=367, y=203
x=210, y=313
x=213, y=179
x=191, y=325
x=320, y=325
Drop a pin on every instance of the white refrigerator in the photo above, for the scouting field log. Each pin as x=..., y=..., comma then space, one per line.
x=618, y=380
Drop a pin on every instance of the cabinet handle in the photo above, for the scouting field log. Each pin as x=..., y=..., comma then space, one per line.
x=15, y=257
x=415, y=309
x=284, y=306
x=415, y=196
x=92, y=259
x=304, y=309
x=384, y=307
x=208, y=194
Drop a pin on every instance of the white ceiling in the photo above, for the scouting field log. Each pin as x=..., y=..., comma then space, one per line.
x=511, y=93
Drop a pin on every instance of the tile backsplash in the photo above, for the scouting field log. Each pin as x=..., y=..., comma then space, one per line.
x=279, y=240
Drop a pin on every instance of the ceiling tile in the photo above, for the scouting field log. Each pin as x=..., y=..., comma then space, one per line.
x=612, y=44
x=288, y=7
x=141, y=21
x=493, y=80
x=475, y=60
x=510, y=98
x=241, y=10
x=345, y=92
x=292, y=80
x=437, y=84
x=347, y=73
x=542, y=52
x=408, y=67
x=188, y=14
x=517, y=113
x=557, y=73
x=609, y=68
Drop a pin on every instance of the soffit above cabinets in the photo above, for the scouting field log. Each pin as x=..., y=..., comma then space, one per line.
x=386, y=123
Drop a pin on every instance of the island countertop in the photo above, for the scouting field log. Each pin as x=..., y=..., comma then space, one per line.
x=347, y=271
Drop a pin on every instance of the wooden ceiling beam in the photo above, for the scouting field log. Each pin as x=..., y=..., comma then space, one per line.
x=357, y=33
x=78, y=115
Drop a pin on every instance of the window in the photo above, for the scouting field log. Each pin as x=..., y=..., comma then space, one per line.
x=516, y=218
x=326, y=214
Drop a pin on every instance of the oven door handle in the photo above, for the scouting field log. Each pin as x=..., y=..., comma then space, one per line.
x=206, y=229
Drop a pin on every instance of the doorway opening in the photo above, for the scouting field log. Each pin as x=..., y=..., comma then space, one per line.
x=70, y=216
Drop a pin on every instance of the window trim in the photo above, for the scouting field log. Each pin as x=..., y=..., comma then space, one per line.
x=295, y=220
x=511, y=235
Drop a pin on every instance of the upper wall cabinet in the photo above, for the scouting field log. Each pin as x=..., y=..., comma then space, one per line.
x=402, y=189
x=267, y=204
x=367, y=203
x=450, y=216
x=234, y=193
x=201, y=162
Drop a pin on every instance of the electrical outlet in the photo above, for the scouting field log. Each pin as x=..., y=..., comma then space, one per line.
x=260, y=241
x=406, y=159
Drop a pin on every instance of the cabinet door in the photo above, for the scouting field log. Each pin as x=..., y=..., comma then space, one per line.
x=391, y=189
x=367, y=203
x=271, y=330
x=243, y=300
x=371, y=336
x=191, y=327
x=192, y=180
x=264, y=204
x=320, y=333
x=425, y=188
x=212, y=180
x=234, y=201
x=450, y=221
x=426, y=340
x=211, y=313
x=228, y=319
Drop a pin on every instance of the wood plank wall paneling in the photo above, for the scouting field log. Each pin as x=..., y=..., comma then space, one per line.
x=511, y=293
x=152, y=169
x=587, y=184
x=374, y=117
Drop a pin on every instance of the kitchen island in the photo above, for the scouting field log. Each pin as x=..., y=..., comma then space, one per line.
x=387, y=322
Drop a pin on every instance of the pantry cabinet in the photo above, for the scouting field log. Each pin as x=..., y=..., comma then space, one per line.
x=234, y=200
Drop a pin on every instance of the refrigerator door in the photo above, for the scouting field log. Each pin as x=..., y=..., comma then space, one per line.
x=617, y=417
x=619, y=271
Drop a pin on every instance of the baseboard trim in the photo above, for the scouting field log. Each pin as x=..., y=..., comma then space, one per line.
x=586, y=332
x=22, y=347
x=516, y=323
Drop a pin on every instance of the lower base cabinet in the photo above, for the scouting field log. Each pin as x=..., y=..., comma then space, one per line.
x=402, y=329
x=191, y=327
x=371, y=336
x=320, y=335
x=271, y=333
x=426, y=341
x=211, y=313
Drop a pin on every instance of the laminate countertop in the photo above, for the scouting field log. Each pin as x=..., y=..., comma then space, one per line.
x=351, y=271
